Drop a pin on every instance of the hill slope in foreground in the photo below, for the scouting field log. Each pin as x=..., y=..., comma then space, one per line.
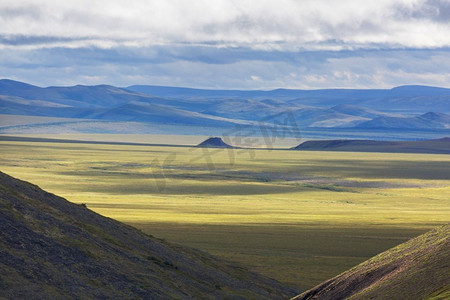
x=53, y=249
x=417, y=269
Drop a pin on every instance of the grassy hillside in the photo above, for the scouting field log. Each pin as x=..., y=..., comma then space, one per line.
x=53, y=249
x=272, y=211
x=417, y=269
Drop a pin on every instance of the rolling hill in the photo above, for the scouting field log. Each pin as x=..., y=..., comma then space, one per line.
x=428, y=120
x=408, y=109
x=410, y=98
x=53, y=249
x=417, y=269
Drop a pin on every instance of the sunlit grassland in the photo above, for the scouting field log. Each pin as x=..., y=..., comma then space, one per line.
x=300, y=217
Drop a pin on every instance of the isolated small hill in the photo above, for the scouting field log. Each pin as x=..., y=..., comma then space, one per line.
x=438, y=146
x=417, y=269
x=214, y=142
x=53, y=249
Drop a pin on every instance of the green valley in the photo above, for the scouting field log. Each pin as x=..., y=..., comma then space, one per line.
x=297, y=216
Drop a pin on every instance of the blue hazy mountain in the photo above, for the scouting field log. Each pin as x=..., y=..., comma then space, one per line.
x=431, y=120
x=400, y=108
x=412, y=98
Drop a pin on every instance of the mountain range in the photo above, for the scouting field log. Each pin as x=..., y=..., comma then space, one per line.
x=150, y=109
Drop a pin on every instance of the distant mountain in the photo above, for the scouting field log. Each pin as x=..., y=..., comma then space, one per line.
x=208, y=112
x=53, y=249
x=99, y=103
x=214, y=142
x=180, y=92
x=411, y=98
x=159, y=114
x=438, y=146
x=75, y=96
x=326, y=117
x=358, y=111
x=419, y=90
x=417, y=269
x=245, y=109
x=428, y=120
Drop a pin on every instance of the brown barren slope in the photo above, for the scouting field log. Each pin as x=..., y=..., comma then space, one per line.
x=417, y=269
x=53, y=249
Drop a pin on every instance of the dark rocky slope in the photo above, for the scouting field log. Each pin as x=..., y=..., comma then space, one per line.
x=214, y=142
x=438, y=146
x=53, y=249
x=417, y=269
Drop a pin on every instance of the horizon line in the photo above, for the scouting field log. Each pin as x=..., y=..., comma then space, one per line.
x=225, y=89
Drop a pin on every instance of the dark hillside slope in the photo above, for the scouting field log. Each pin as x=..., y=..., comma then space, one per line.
x=417, y=269
x=214, y=142
x=53, y=249
x=437, y=146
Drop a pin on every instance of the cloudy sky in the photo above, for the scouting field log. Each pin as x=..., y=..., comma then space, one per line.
x=242, y=44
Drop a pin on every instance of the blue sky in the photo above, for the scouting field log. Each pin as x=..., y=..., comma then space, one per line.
x=242, y=44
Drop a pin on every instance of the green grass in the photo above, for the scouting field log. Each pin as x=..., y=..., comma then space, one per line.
x=441, y=295
x=300, y=217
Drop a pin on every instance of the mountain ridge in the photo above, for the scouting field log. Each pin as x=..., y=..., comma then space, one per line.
x=403, y=108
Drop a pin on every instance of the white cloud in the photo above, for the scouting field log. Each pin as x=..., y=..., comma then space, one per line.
x=227, y=43
x=278, y=24
x=245, y=69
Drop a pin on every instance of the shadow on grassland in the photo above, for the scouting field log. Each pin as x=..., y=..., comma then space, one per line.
x=303, y=255
x=383, y=169
x=187, y=188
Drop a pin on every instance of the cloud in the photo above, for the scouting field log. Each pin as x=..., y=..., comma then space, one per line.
x=434, y=10
x=267, y=24
x=226, y=43
x=242, y=68
x=23, y=40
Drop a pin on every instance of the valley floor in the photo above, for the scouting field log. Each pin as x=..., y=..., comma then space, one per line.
x=299, y=217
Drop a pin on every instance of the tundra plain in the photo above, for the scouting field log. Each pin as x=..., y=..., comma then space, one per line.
x=297, y=216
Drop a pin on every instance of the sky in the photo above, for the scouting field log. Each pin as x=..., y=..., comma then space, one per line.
x=227, y=44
